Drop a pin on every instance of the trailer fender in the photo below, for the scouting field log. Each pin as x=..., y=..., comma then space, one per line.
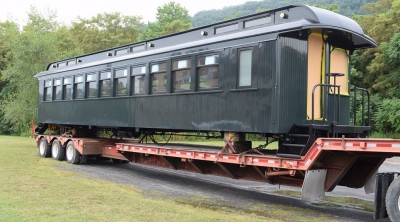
x=313, y=188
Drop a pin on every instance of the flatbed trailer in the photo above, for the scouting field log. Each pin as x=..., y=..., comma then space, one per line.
x=329, y=162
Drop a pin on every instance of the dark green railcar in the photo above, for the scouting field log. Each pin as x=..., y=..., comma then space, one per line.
x=280, y=72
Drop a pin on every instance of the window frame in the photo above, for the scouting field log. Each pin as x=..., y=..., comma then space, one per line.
x=239, y=51
x=173, y=70
x=133, y=79
x=87, y=84
x=64, y=87
x=101, y=79
x=158, y=72
x=46, y=89
x=75, y=84
x=198, y=67
x=56, y=86
x=120, y=77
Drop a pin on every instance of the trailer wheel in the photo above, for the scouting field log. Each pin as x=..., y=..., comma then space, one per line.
x=57, y=151
x=393, y=200
x=44, y=150
x=72, y=154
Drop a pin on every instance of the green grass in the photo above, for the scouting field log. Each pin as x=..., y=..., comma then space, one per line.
x=36, y=189
x=346, y=202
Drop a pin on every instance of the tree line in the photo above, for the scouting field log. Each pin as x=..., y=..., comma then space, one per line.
x=27, y=50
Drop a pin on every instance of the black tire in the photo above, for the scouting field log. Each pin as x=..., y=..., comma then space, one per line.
x=393, y=200
x=57, y=150
x=44, y=150
x=72, y=154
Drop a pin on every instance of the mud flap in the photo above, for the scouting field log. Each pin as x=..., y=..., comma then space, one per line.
x=313, y=188
x=369, y=186
x=383, y=181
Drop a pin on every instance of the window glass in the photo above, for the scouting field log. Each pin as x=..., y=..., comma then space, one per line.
x=257, y=22
x=208, y=71
x=245, y=58
x=159, y=82
x=137, y=80
x=67, y=89
x=105, y=83
x=72, y=62
x=121, y=52
x=181, y=74
x=137, y=48
x=181, y=64
x=158, y=77
x=121, y=82
x=67, y=92
x=160, y=67
x=47, y=90
x=207, y=60
x=78, y=79
x=78, y=90
x=138, y=70
x=121, y=73
x=138, y=84
x=91, y=85
x=57, y=89
x=228, y=28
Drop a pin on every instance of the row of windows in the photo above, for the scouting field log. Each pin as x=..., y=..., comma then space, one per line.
x=93, y=85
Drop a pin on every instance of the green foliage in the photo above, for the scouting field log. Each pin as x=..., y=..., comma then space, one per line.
x=344, y=7
x=171, y=18
x=388, y=117
x=33, y=48
x=104, y=31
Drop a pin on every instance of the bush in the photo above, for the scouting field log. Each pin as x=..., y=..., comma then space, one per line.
x=388, y=116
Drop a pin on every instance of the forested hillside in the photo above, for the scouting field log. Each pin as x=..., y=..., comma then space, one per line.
x=344, y=7
x=26, y=51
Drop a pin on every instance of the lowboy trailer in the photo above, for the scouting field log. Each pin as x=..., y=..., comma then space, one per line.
x=329, y=162
x=282, y=74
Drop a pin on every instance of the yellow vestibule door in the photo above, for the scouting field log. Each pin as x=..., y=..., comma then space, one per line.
x=316, y=66
x=340, y=64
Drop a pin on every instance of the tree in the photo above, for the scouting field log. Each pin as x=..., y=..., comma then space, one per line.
x=8, y=32
x=171, y=18
x=36, y=46
x=105, y=31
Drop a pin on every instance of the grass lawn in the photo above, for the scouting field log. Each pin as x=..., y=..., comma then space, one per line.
x=35, y=189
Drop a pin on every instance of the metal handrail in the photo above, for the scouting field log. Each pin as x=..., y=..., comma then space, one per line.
x=363, y=92
x=325, y=101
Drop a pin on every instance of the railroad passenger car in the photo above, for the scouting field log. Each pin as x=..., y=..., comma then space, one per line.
x=281, y=72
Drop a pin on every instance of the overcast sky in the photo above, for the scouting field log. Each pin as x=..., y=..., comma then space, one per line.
x=68, y=10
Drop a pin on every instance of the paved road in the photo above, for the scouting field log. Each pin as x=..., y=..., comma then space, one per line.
x=156, y=182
